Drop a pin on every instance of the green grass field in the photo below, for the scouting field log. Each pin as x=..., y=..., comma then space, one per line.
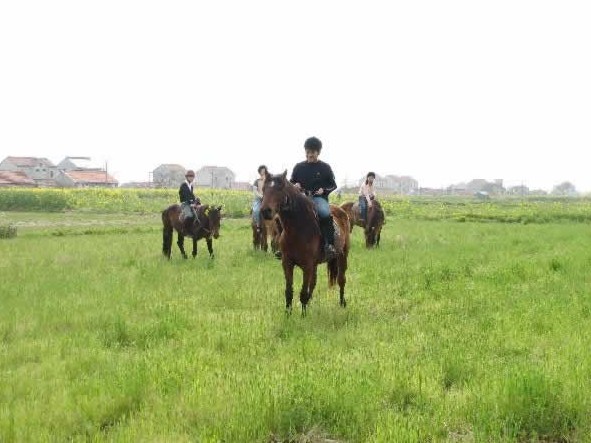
x=461, y=332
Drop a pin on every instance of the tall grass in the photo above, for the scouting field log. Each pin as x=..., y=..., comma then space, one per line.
x=453, y=332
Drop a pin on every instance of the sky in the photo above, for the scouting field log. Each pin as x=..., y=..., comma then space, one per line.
x=443, y=91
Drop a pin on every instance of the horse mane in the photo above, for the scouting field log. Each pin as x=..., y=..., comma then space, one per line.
x=375, y=215
x=299, y=209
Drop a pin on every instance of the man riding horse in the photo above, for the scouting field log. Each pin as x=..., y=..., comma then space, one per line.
x=316, y=179
x=188, y=202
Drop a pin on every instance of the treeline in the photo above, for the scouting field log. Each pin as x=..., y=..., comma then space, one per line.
x=237, y=204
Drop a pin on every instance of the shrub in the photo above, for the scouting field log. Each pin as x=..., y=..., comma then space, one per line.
x=7, y=231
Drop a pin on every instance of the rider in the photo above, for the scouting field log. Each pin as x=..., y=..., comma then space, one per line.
x=257, y=189
x=366, y=195
x=188, y=199
x=316, y=179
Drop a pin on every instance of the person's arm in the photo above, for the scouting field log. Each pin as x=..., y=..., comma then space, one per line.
x=295, y=176
x=255, y=189
x=329, y=181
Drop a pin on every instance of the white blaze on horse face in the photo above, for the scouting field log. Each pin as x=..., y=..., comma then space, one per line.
x=272, y=183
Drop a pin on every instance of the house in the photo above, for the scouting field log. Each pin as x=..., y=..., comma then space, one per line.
x=518, y=190
x=394, y=184
x=242, y=186
x=86, y=179
x=82, y=172
x=168, y=176
x=15, y=178
x=39, y=169
x=218, y=177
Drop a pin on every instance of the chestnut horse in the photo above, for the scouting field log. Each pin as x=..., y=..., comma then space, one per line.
x=300, y=241
x=372, y=227
x=208, y=227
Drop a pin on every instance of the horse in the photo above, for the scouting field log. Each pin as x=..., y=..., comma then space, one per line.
x=260, y=237
x=209, y=226
x=300, y=241
x=372, y=227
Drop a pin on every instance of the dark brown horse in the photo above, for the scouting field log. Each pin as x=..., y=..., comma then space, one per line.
x=372, y=227
x=208, y=227
x=269, y=229
x=300, y=241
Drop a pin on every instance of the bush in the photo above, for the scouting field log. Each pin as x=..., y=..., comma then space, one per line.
x=7, y=231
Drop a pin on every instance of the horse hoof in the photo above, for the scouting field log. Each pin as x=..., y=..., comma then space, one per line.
x=212, y=256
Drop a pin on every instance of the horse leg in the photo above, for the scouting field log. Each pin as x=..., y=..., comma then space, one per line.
x=307, y=287
x=288, y=273
x=209, y=242
x=194, y=253
x=341, y=278
x=255, y=238
x=264, y=244
x=181, y=244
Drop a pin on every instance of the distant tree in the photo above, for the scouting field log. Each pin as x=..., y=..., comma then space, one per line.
x=564, y=188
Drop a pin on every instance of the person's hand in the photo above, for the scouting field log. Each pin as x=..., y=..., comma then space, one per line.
x=297, y=185
x=319, y=192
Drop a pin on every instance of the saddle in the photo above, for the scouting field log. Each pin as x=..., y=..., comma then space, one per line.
x=190, y=214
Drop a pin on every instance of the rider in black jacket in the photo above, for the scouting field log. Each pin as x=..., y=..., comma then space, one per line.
x=188, y=199
x=316, y=179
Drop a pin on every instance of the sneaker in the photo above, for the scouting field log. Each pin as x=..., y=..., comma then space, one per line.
x=330, y=252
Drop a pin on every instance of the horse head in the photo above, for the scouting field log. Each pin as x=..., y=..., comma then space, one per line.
x=373, y=225
x=213, y=218
x=278, y=195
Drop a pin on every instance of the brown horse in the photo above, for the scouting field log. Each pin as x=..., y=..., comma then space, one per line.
x=300, y=241
x=372, y=227
x=209, y=226
x=269, y=229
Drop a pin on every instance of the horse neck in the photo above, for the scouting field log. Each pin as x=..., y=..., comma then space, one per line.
x=300, y=220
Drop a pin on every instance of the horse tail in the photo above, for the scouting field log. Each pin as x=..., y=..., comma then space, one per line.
x=333, y=272
x=167, y=231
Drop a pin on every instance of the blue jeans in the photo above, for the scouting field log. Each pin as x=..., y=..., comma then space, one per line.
x=322, y=207
x=363, y=207
x=256, y=211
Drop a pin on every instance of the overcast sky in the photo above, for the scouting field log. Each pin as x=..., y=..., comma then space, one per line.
x=443, y=91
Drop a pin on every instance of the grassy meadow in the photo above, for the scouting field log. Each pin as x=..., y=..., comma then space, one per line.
x=454, y=331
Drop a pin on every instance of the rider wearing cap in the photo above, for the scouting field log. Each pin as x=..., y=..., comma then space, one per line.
x=317, y=180
x=188, y=198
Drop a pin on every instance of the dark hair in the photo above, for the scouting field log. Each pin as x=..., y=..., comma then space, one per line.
x=369, y=174
x=190, y=172
x=262, y=167
x=313, y=143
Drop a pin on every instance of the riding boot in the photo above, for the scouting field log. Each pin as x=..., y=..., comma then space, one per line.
x=327, y=231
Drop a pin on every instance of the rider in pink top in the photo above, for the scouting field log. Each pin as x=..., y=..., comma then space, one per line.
x=366, y=195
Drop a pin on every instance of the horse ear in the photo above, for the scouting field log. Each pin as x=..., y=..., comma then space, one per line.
x=219, y=208
x=284, y=174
